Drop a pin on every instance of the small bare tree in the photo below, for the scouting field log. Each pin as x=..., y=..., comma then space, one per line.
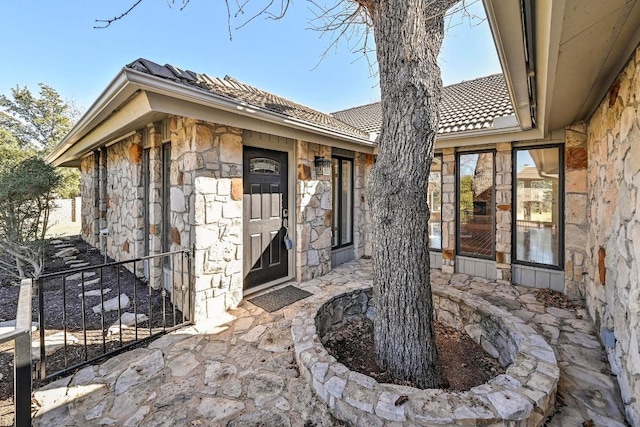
x=30, y=126
x=27, y=191
x=408, y=36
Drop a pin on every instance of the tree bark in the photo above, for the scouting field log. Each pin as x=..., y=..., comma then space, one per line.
x=408, y=36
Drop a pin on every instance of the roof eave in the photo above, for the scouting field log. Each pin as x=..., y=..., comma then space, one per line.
x=129, y=81
x=114, y=95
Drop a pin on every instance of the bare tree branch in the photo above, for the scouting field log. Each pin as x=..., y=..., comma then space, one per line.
x=107, y=22
x=284, y=6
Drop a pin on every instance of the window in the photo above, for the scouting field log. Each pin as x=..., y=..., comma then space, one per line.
x=263, y=165
x=538, y=205
x=342, y=187
x=435, y=203
x=476, y=204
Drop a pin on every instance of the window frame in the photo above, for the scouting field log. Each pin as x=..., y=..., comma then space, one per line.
x=491, y=257
x=561, y=207
x=337, y=210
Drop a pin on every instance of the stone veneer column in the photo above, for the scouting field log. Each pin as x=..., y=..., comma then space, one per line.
x=90, y=201
x=362, y=218
x=313, y=213
x=212, y=154
x=448, y=210
x=154, y=138
x=504, y=180
x=576, y=224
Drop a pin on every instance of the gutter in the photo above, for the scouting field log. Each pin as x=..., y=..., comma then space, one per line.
x=511, y=30
x=528, y=18
x=477, y=133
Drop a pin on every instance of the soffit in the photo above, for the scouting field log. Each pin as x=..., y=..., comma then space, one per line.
x=596, y=40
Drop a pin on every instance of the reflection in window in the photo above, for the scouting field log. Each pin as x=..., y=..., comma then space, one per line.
x=342, y=190
x=263, y=165
x=476, y=217
x=538, y=205
x=435, y=203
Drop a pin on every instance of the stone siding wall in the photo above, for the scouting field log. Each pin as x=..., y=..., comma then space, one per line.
x=362, y=217
x=613, y=240
x=313, y=214
x=89, y=197
x=124, y=201
x=576, y=224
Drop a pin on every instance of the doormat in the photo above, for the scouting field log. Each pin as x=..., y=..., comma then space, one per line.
x=275, y=300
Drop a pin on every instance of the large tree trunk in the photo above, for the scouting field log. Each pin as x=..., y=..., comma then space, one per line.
x=408, y=36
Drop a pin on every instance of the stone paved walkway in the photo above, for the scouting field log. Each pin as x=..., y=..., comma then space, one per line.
x=243, y=373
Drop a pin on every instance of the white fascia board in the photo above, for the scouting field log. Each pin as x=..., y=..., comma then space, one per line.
x=180, y=91
x=115, y=94
x=505, y=22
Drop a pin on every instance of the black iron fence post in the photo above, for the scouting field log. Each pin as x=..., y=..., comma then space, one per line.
x=43, y=355
x=22, y=357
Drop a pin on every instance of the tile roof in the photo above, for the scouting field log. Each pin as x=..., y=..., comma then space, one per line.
x=466, y=106
x=233, y=89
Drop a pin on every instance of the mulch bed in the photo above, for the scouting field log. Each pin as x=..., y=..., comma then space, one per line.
x=119, y=280
x=464, y=363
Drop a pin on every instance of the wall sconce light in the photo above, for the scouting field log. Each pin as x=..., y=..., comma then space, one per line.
x=323, y=166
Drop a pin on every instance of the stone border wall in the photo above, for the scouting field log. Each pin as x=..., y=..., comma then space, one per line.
x=524, y=396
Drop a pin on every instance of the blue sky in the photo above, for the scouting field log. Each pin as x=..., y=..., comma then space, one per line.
x=54, y=42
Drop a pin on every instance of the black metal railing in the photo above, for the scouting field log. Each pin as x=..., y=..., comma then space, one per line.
x=21, y=336
x=152, y=296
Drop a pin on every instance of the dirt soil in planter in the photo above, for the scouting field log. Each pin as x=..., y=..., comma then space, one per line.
x=96, y=329
x=464, y=363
